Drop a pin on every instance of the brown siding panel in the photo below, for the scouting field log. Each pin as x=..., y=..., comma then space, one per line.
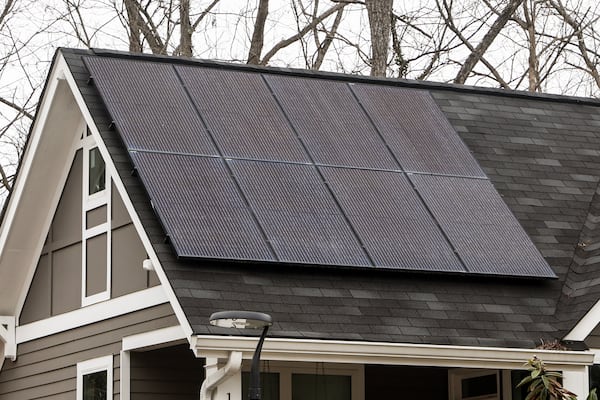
x=96, y=264
x=128, y=254
x=66, y=225
x=171, y=372
x=46, y=367
x=95, y=217
x=37, y=304
x=66, y=279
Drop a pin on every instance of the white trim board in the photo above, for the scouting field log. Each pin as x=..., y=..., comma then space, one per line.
x=153, y=338
x=94, y=313
x=388, y=353
x=586, y=325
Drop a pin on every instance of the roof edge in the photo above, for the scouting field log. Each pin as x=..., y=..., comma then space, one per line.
x=408, y=83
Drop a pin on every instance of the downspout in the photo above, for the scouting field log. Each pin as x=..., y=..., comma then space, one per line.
x=234, y=364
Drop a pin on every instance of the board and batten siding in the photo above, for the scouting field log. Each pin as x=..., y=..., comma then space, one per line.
x=46, y=368
x=56, y=286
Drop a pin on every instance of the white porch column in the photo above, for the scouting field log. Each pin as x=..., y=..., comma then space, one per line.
x=230, y=389
x=577, y=381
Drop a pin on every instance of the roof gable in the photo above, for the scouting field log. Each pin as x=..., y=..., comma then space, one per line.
x=522, y=141
x=217, y=201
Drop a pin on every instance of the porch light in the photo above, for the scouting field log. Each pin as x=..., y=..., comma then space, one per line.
x=247, y=320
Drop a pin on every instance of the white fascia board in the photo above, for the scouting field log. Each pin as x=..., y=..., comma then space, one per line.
x=94, y=313
x=19, y=244
x=354, y=352
x=153, y=338
x=586, y=325
x=112, y=170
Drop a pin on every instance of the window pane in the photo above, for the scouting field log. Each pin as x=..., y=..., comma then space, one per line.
x=595, y=377
x=479, y=386
x=97, y=172
x=94, y=386
x=515, y=378
x=269, y=383
x=321, y=387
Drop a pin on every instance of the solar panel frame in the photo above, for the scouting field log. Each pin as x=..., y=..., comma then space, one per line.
x=391, y=220
x=203, y=223
x=298, y=214
x=481, y=227
x=416, y=130
x=242, y=115
x=146, y=115
x=330, y=122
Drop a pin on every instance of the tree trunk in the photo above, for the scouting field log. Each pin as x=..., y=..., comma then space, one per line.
x=258, y=35
x=487, y=40
x=133, y=20
x=380, y=22
x=185, y=41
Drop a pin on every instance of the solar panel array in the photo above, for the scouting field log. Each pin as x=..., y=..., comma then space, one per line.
x=259, y=166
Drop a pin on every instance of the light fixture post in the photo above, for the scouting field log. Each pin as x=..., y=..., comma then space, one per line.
x=254, y=391
x=243, y=320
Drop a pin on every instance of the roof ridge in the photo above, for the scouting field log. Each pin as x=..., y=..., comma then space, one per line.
x=408, y=83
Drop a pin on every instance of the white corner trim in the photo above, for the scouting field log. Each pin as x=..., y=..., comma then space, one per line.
x=388, y=353
x=112, y=171
x=94, y=313
x=7, y=336
x=153, y=338
x=586, y=325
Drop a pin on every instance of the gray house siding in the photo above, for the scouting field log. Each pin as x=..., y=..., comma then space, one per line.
x=47, y=367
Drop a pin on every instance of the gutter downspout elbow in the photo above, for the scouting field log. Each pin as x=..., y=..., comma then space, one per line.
x=234, y=364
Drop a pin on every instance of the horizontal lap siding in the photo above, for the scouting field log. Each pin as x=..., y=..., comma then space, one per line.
x=47, y=367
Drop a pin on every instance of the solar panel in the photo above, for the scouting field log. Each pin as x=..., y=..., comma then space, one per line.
x=416, y=130
x=480, y=226
x=330, y=122
x=242, y=114
x=298, y=214
x=390, y=219
x=200, y=207
x=149, y=105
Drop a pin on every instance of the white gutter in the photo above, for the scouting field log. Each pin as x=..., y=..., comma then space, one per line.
x=388, y=353
x=7, y=336
x=214, y=379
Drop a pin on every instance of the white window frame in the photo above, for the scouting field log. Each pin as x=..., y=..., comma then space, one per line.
x=287, y=369
x=95, y=365
x=90, y=202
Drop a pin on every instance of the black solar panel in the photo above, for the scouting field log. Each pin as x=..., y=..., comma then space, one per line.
x=298, y=214
x=390, y=219
x=330, y=122
x=200, y=207
x=416, y=130
x=486, y=235
x=218, y=204
x=242, y=114
x=149, y=106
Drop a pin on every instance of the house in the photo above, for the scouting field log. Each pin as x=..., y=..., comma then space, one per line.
x=406, y=237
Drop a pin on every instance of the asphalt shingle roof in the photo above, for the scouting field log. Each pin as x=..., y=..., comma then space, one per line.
x=541, y=154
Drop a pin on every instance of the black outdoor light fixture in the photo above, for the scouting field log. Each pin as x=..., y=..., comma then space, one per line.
x=247, y=320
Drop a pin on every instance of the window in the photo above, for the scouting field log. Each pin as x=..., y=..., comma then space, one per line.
x=95, y=379
x=96, y=172
x=467, y=384
x=95, y=225
x=308, y=381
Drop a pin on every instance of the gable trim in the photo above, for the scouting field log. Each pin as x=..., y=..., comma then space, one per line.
x=54, y=95
x=279, y=349
x=94, y=313
x=112, y=171
x=586, y=325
